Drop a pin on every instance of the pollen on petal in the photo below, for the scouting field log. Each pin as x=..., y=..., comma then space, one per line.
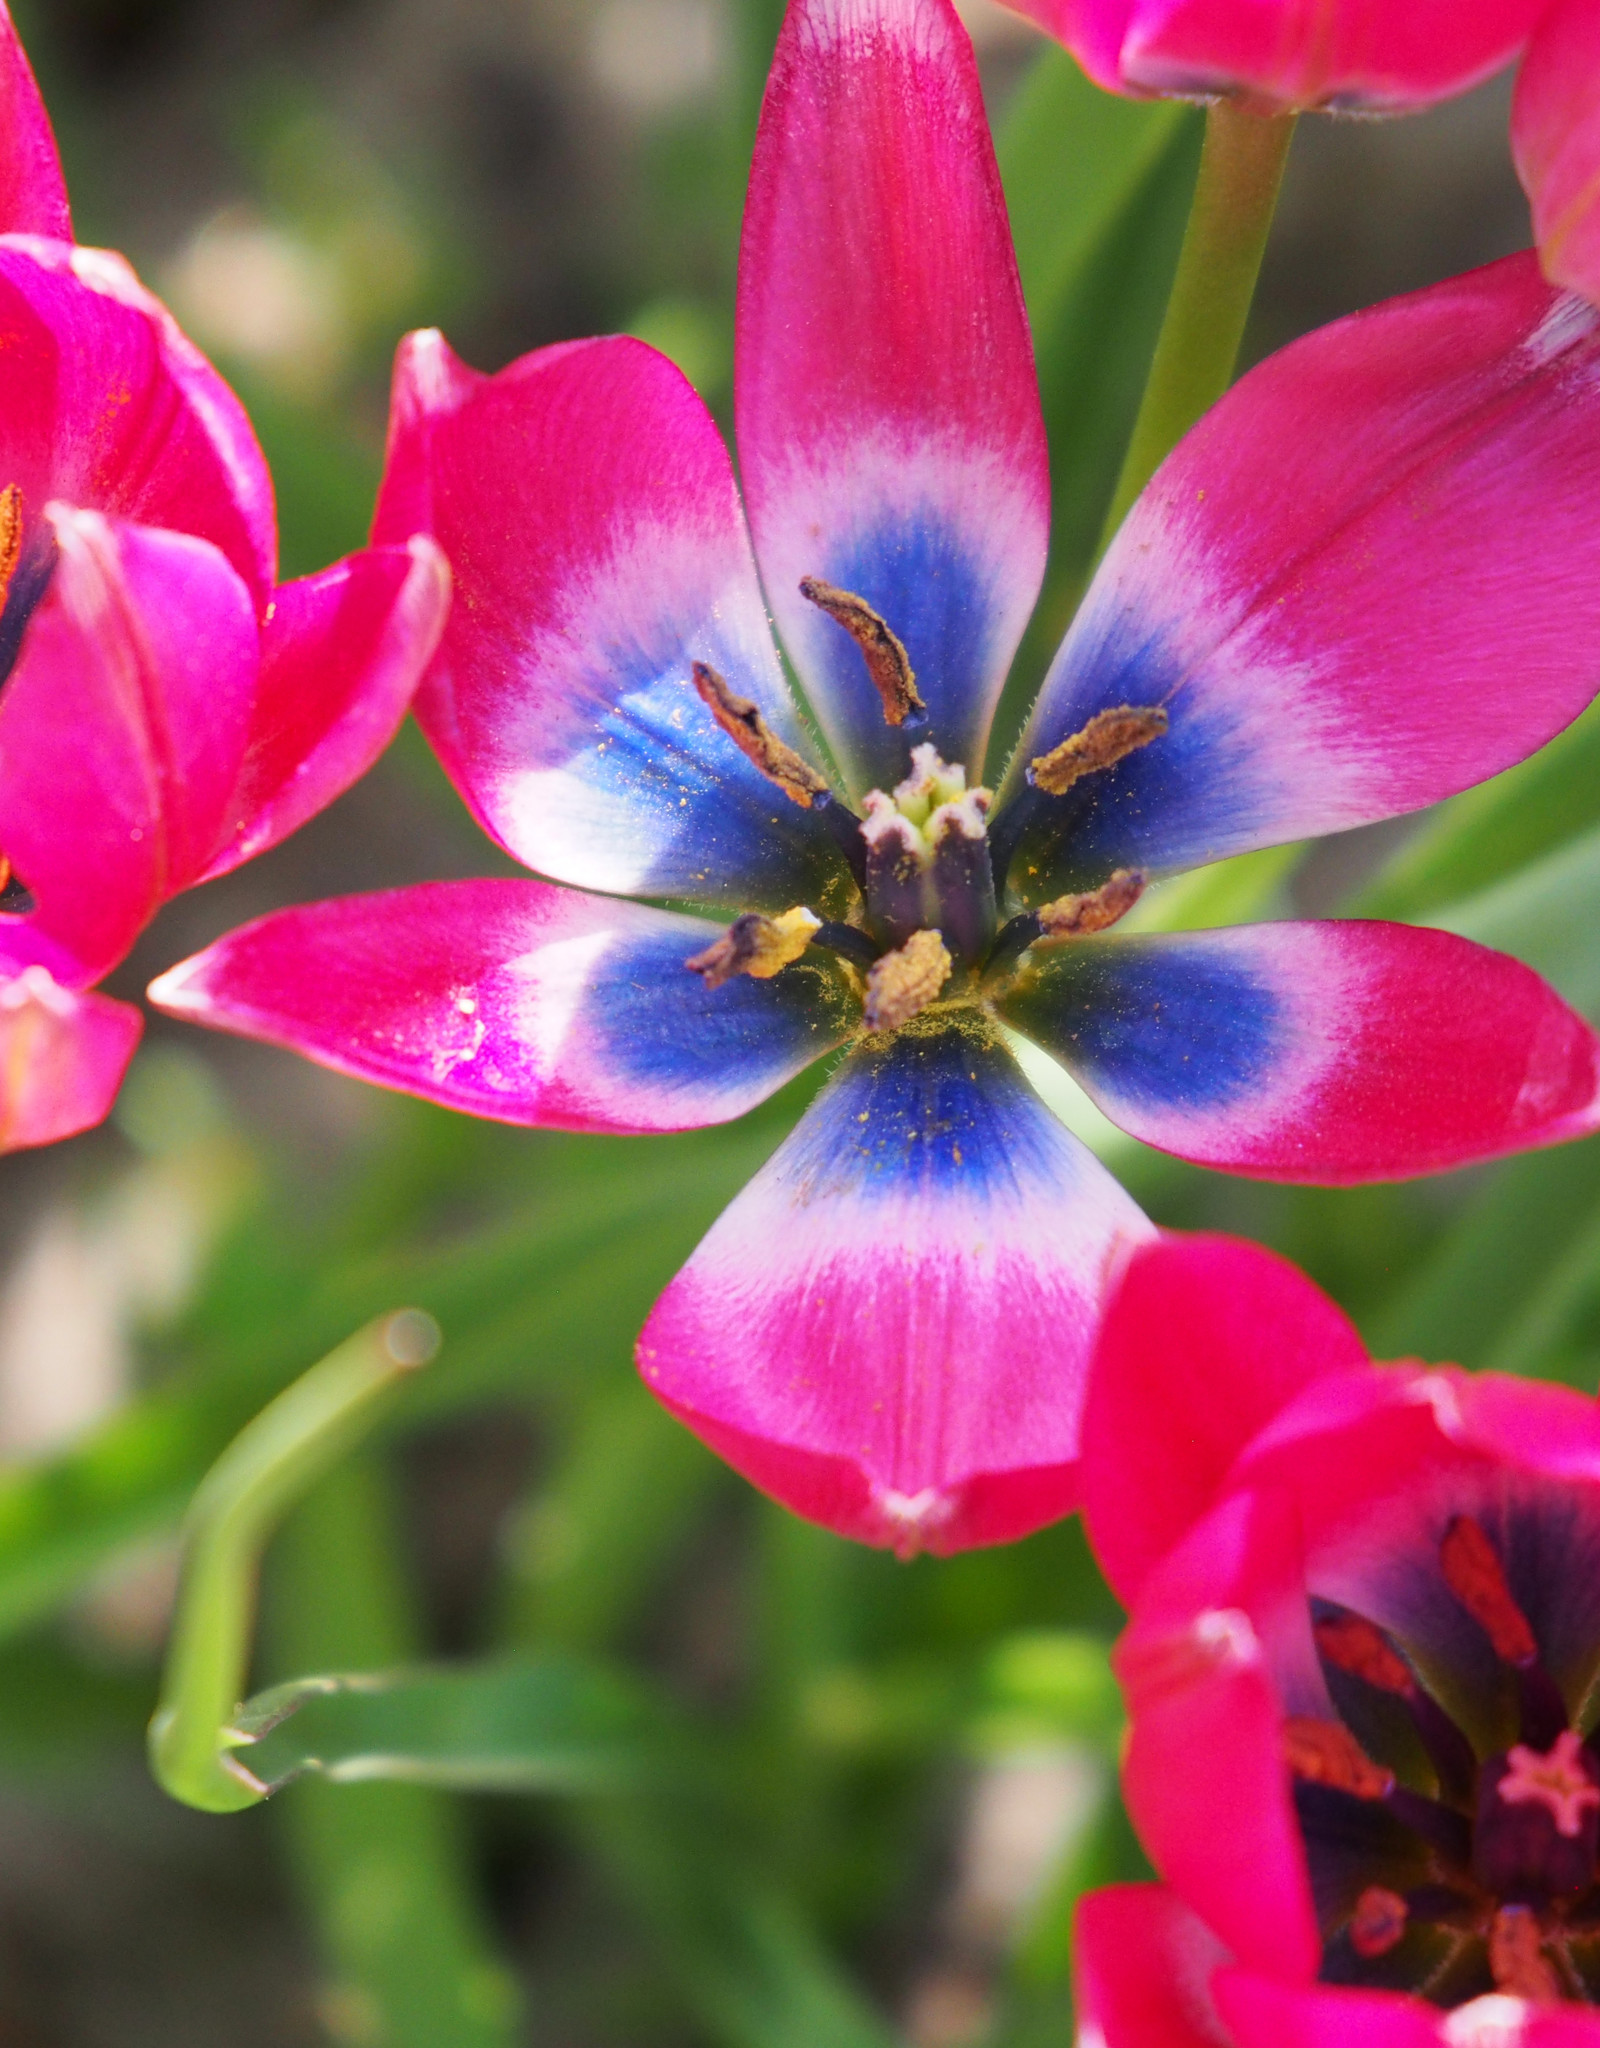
x=755, y=945
x=903, y=983
x=1109, y=737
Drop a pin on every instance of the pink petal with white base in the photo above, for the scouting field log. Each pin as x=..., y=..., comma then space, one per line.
x=890, y=439
x=122, y=730
x=1332, y=1053
x=1555, y=138
x=33, y=193
x=1369, y=578
x=518, y=1001
x=110, y=406
x=587, y=507
x=62, y=1058
x=888, y=1329
x=1191, y=1315
x=341, y=654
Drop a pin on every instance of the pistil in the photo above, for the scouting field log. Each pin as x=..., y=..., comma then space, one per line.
x=927, y=860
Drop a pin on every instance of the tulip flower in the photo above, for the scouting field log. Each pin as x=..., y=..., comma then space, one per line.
x=164, y=712
x=1371, y=577
x=1364, y=1632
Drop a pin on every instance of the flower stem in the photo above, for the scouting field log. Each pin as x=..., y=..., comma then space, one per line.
x=1241, y=168
x=238, y=1503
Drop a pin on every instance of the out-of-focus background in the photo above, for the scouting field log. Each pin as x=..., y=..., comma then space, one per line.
x=915, y=1754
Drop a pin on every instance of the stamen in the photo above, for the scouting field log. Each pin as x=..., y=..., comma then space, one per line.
x=849, y=941
x=904, y=982
x=1351, y=1643
x=888, y=664
x=16, y=898
x=1109, y=737
x=1326, y=1753
x=1554, y=1779
x=755, y=739
x=1071, y=917
x=1474, y=1573
x=1516, y=1957
x=1379, y=1922
x=755, y=945
x=10, y=536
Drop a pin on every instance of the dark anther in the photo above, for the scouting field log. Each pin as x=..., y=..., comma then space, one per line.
x=903, y=983
x=847, y=940
x=1109, y=737
x=1071, y=917
x=25, y=572
x=888, y=664
x=1474, y=1573
x=756, y=945
x=741, y=720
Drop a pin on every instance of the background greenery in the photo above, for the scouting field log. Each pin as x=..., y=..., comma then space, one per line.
x=790, y=1793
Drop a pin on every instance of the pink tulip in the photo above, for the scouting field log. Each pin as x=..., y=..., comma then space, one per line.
x=164, y=711
x=1364, y=1626
x=1369, y=578
x=1382, y=58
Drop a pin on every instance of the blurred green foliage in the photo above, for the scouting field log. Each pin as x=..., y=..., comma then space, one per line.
x=780, y=1736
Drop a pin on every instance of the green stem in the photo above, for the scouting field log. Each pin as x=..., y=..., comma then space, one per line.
x=1241, y=168
x=267, y=1466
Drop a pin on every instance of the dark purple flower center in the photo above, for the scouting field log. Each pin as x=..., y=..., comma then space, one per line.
x=924, y=923
x=1490, y=1880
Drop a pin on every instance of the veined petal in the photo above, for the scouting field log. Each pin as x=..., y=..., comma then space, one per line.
x=1367, y=579
x=890, y=438
x=33, y=193
x=1293, y=53
x=109, y=406
x=888, y=1328
x=515, y=1000
x=587, y=507
x=1142, y=1971
x=1322, y=1052
x=62, y=1058
x=122, y=729
x=1555, y=138
x=341, y=654
x=1206, y=1338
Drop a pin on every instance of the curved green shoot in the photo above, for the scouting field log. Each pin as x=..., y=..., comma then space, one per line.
x=193, y=1736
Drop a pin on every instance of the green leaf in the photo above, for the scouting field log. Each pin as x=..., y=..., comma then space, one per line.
x=1548, y=914
x=384, y=1869
x=534, y=1724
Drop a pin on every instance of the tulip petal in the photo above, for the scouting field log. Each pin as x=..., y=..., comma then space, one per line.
x=587, y=507
x=1328, y=1053
x=122, y=729
x=890, y=438
x=1191, y=1317
x=341, y=655
x=109, y=406
x=1203, y=1774
x=62, y=1058
x=1555, y=138
x=888, y=1328
x=515, y=1000
x=1367, y=579
x=33, y=193
x=1142, y=1971
x=1288, y=52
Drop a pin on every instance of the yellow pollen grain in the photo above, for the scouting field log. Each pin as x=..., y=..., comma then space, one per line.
x=1109, y=737
x=902, y=984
